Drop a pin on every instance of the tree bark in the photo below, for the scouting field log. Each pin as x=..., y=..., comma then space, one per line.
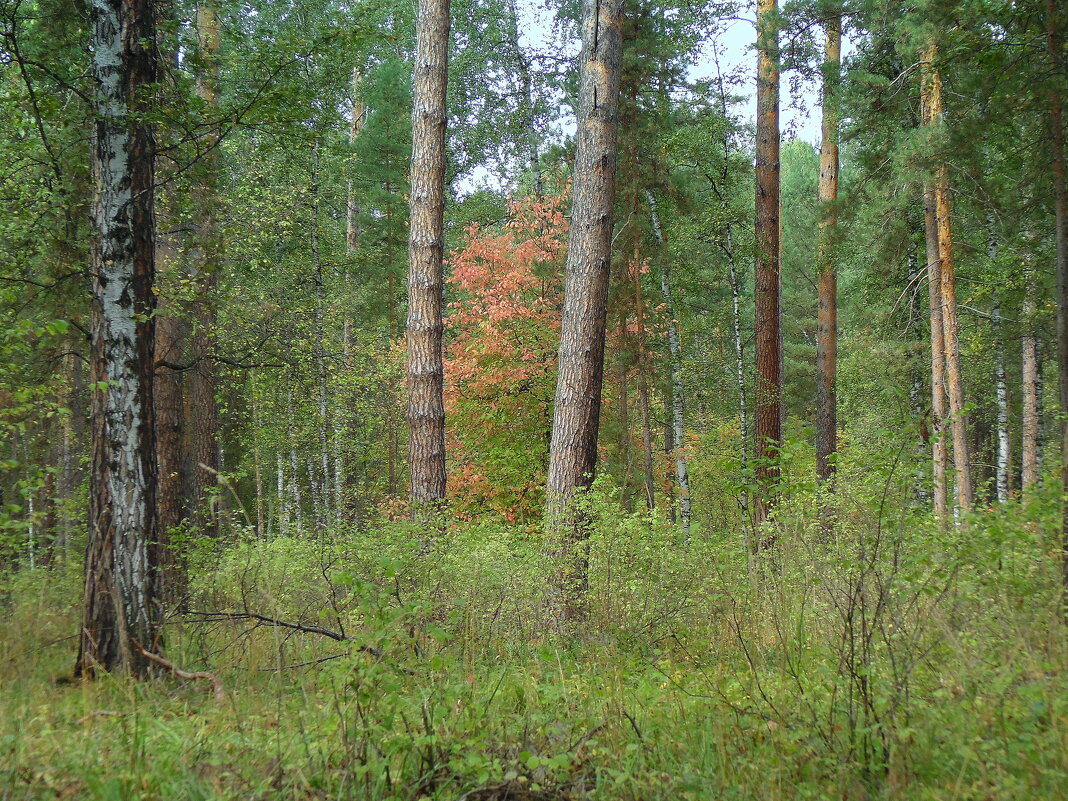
x=120, y=611
x=678, y=411
x=1030, y=382
x=577, y=405
x=827, y=317
x=1060, y=195
x=768, y=424
x=426, y=407
x=204, y=269
x=1003, y=469
x=958, y=420
x=643, y=377
x=939, y=450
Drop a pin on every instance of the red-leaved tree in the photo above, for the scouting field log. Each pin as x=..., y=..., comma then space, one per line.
x=500, y=370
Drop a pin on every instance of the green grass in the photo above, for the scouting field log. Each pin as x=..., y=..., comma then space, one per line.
x=895, y=661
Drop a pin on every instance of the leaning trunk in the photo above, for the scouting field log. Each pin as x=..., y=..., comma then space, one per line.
x=577, y=405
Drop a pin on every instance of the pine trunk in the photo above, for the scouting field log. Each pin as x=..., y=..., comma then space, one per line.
x=120, y=612
x=426, y=407
x=577, y=405
x=939, y=449
x=204, y=268
x=768, y=424
x=958, y=420
x=827, y=318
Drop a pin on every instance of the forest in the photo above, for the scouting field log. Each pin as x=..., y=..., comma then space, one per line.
x=501, y=400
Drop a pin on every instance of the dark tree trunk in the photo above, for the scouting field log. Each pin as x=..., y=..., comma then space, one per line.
x=426, y=406
x=120, y=612
x=768, y=417
x=577, y=405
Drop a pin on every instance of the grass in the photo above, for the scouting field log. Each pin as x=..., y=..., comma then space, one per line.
x=895, y=661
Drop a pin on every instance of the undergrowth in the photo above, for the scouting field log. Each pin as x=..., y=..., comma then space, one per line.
x=861, y=656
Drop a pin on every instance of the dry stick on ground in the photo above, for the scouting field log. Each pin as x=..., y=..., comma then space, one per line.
x=285, y=624
x=220, y=694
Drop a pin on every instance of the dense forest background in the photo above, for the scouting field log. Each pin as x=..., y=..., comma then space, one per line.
x=761, y=616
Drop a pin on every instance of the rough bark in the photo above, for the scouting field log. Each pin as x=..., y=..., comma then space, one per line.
x=958, y=420
x=577, y=405
x=120, y=611
x=426, y=407
x=204, y=270
x=169, y=451
x=939, y=449
x=1003, y=463
x=678, y=411
x=827, y=316
x=768, y=422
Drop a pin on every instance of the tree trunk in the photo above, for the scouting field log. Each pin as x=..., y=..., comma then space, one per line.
x=426, y=407
x=1029, y=371
x=321, y=375
x=678, y=412
x=1004, y=454
x=120, y=612
x=169, y=451
x=643, y=377
x=768, y=428
x=577, y=405
x=827, y=323
x=204, y=268
x=958, y=420
x=939, y=450
x=1060, y=194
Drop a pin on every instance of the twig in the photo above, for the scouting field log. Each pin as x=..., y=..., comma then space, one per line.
x=285, y=624
x=220, y=695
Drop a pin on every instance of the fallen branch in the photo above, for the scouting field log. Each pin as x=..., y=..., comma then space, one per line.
x=286, y=624
x=183, y=674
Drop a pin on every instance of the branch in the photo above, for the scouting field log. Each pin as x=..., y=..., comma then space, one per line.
x=285, y=624
x=220, y=695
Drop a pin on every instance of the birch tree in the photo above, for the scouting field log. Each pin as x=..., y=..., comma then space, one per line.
x=120, y=617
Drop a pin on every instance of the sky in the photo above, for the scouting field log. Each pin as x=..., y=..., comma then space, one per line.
x=732, y=47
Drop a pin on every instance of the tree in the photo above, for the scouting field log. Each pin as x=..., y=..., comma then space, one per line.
x=426, y=408
x=768, y=418
x=958, y=421
x=577, y=404
x=827, y=328
x=500, y=368
x=1060, y=217
x=120, y=616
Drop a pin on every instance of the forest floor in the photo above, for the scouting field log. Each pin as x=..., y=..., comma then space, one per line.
x=891, y=661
